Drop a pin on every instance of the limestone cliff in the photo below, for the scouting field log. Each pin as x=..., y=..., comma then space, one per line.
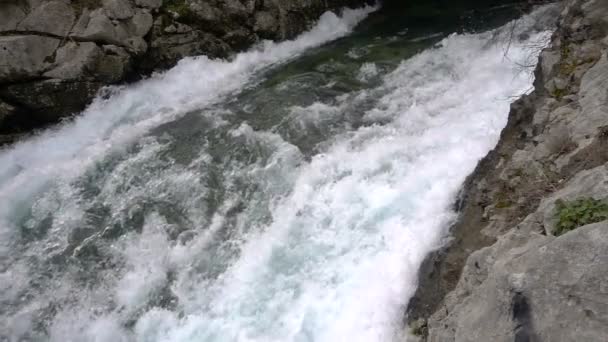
x=529, y=256
x=55, y=55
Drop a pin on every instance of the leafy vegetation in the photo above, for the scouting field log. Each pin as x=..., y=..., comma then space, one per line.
x=580, y=212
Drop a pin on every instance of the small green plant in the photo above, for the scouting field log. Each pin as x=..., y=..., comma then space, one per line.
x=419, y=328
x=181, y=9
x=580, y=212
x=559, y=93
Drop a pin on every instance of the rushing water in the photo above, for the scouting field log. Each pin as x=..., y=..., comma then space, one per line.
x=289, y=194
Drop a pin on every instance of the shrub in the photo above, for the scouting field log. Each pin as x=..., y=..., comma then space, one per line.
x=580, y=212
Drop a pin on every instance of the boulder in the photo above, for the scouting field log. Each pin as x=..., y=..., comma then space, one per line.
x=99, y=28
x=75, y=60
x=239, y=39
x=118, y=9
x=537, y=289
x=25, y=57
x=166, y=51
x=151, y=4
x=49, y=100
x=141, y=23
x=113, y=65
x=52, y=17
x=266, y=24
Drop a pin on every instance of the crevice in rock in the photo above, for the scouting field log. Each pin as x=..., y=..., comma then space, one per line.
x=522, y=317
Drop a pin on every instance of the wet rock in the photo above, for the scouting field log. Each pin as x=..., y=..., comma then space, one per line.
x=6, y=111
x=165, y=52
x=266, y=24
x=239, y=39
x=114, y=64
x=43, y=102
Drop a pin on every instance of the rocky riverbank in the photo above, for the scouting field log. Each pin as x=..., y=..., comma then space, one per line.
x=56, y=55
x=529, y=254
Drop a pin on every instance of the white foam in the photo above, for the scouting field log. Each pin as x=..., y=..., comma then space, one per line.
x=112, y=124
x=337, y=258
x=367, y=72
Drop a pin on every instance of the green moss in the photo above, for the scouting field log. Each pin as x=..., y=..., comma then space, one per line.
x=419, y=328
x=574, y=214
x=566, y=66
x=181, y=9
x=503, y=204
x=559, y=93
x=503, y=197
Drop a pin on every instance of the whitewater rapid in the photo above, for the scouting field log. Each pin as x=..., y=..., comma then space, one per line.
x=121, y=227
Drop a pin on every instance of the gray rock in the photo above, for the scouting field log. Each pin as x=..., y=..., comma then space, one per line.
x=136, y=45
x=239, y=39
x=536, y=289
x=11, y=13
x=205, y=12
x=167, y=51
x=114, y=64
x=141, y=23
x=593, y=99
x=588, y=183
x=118, y=9
x=75, y=60
x=594, y=11
x=23, y=57
x=6, y=110
x=152, y=4
x=98, y=27
x=266, y=24
x=548, y=60
x=235, y=9
x=49, y=100
x=52, y=17
x=177, y=28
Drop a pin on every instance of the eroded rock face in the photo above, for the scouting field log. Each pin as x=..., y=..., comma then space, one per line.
x=506, y=276
x=55, y=55
x=541, y=288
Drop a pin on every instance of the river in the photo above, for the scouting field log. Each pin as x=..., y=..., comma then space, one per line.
x=287, y=194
